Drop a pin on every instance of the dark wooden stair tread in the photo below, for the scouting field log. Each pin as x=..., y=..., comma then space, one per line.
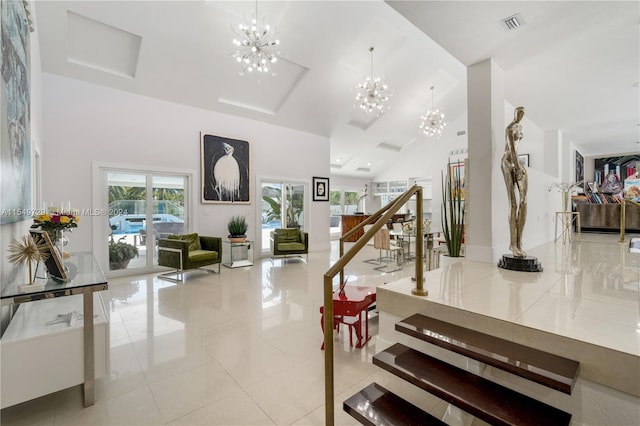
x=480, y=397
x=375, y=405
x=551, y=370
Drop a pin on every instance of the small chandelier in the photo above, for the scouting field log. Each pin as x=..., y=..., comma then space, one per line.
x=254, y=47
x=371, y=96
x=432, y=121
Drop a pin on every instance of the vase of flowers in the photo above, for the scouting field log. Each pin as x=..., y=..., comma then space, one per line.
x=55, y=223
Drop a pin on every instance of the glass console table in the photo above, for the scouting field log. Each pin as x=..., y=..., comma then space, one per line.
x=235, y=255
x=85, y=277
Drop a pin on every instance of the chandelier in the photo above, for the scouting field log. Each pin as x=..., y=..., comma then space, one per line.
x=432, y=121
x=371, y=93
x=254, y=48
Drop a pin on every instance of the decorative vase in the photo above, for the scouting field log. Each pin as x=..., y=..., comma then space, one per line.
x=446, y=260
x=119, y=265
x=59, y=240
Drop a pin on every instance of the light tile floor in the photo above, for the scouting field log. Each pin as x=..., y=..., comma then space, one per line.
x=243, y=347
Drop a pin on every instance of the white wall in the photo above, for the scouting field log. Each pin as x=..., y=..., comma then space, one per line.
x=85, y=122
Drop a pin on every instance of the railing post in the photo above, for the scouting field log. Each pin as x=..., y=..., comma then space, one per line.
x=622, y=220
x=419, y=290
x=328, y=351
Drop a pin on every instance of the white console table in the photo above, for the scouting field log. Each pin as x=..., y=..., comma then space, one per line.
x=35, y=345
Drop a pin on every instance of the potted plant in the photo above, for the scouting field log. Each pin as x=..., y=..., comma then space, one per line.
x=453, y=211
x=120, y=253
x=237, y=227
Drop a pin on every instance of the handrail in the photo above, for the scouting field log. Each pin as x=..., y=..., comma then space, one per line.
x=623, y=223
x=382, y=216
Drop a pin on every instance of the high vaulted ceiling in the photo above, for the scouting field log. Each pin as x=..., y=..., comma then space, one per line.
x=575, y=65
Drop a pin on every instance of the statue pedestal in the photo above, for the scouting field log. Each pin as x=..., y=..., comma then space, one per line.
x=523, y=264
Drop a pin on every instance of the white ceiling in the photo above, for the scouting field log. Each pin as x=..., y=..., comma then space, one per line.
x=574, y=65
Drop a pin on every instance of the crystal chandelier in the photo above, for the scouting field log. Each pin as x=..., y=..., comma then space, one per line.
x=432, y=121
x=254, y=48
x=371, y=93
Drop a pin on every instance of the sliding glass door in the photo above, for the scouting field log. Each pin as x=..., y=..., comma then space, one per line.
x=142, y=207
x=283, y=206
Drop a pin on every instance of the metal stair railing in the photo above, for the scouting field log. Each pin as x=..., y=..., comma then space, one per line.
x=622, y=216
x=381, y=217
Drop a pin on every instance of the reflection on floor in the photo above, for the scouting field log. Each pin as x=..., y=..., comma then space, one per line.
x=242, y=347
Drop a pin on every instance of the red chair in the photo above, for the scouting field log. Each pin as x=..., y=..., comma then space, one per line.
x=352, y=322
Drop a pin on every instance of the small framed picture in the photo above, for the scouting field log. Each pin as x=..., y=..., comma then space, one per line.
x=320, y=189
x=524, y=159
x=53, y=263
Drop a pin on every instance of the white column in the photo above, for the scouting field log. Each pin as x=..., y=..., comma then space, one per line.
x=485, y=100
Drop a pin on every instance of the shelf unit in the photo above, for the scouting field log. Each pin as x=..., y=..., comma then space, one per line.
x=38, y=359
x=394, y=187
x=389, y=190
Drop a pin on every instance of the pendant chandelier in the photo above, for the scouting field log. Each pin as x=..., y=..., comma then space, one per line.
x=432, y=121
x=371, y=95
x=254, y=48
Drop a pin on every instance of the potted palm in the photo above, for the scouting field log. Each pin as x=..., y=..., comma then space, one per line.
x=237, y=228
x=453, y=211
x=121, y=253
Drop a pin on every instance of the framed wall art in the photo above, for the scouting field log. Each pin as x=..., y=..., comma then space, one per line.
x=456, y=174
x=579, y=167
x=320, y=189
x=225, y=170
x=15, y=119
x=524, y=159
x=53, y=261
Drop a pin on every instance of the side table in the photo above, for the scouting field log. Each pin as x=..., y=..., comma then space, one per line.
x=236, y=255
x=566, y=220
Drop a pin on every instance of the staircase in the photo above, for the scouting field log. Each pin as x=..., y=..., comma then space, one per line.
x=482, y=398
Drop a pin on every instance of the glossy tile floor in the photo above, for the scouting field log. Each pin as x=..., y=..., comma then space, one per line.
x=243, y=347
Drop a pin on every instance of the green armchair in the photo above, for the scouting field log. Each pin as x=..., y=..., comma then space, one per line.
x=188, y=251
x=289, y=241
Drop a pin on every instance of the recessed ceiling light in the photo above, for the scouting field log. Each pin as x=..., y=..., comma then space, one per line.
x=338, y=160
x=368, y=164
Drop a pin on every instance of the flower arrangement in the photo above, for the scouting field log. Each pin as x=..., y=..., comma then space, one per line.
x=54, y=222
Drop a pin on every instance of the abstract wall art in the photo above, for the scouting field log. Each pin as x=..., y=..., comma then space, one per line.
x=225, y=169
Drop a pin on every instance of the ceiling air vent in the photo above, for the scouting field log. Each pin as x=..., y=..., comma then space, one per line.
x=512, y=22
x=363, y=169
x=390, y=147
x=336, y=166
x=461, y=133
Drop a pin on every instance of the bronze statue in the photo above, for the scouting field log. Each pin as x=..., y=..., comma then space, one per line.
x=515, y=177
